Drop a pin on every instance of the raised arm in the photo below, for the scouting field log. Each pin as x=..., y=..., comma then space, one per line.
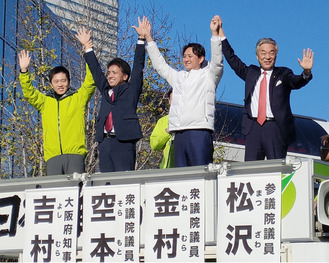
x=24, y=60
x=33, y=96
x=88, y=86
x=214, y=25
x=98, y=76
x=136, y=79
x=84, y=37
x=307, y=62
x=141, y=30
x=148, y=28
x=221, y=30
x=216, y=64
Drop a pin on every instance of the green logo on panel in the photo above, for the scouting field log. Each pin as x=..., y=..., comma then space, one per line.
x=288, y=194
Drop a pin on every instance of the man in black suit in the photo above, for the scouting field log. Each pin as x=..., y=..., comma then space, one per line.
x=118, y=128
x=270, y=131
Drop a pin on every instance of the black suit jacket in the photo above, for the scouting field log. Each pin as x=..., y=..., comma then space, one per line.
x=281, y=83
x=126, y=97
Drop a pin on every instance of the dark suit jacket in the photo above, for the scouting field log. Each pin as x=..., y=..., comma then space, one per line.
x=126, y=97
x=282, y=82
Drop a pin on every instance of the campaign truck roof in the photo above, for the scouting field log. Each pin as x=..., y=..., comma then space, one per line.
x=308, y=129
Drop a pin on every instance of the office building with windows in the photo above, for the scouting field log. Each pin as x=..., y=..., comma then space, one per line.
x=47, y=29
x=101, y=16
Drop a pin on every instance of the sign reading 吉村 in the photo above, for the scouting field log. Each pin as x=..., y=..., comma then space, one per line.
x=51, y=225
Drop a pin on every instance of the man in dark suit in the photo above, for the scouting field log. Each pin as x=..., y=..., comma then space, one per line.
x=118, y=128
x=267, y=122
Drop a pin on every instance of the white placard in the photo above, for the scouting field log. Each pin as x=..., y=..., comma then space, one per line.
x=249, y=218
x=51, y=225
x=12, y=220
x=111, y=223
x=174, y=221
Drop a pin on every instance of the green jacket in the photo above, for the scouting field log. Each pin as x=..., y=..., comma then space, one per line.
x=161, y=140
x=63, y=120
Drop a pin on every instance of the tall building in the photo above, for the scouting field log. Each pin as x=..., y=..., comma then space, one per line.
x=45, y=28
x=8, y=29
x=8, y=42
x=100, y=16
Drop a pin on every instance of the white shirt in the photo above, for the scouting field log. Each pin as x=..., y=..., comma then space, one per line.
x=255, y=95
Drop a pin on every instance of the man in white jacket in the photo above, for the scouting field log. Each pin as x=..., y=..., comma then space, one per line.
x=191, y=115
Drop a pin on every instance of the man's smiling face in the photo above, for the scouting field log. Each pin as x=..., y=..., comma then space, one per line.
x=191, y=61
x=60, y=83
x=266, y=56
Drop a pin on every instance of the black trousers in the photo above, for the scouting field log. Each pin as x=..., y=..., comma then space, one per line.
x=115, y=155
x=265, y=141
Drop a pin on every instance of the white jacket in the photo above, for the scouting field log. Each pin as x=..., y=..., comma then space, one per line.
x=194, y=91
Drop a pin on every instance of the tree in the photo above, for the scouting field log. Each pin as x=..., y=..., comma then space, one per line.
x=53, y=43
x=154, y=103
x=153, y=99
x=21, y=140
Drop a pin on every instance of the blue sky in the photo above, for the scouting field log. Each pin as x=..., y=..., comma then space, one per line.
x=294, y=24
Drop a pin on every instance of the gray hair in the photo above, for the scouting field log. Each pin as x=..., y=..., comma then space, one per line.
x=267, y=41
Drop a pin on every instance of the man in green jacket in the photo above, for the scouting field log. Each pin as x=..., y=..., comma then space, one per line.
x=160, y=139
x=63, y=116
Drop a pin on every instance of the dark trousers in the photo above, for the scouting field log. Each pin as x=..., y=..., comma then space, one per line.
x=265, y=141
x=66, y=164
x=193, y=147
x=115, y=155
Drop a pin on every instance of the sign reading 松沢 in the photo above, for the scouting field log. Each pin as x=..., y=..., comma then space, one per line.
x=249, y=218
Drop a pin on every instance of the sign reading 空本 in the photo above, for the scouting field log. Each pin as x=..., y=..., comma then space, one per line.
x=174, y=219
x=249, y=218
x=111, y=223
x=51, y=225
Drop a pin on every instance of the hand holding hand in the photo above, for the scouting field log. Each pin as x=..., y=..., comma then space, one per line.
x=307, y=62
x=214, y=25
x=221, y=31
x=24, y=60
x=148, y=28
x=143, y=28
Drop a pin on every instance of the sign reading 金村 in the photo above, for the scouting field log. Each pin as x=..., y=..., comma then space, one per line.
x=174, y=219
